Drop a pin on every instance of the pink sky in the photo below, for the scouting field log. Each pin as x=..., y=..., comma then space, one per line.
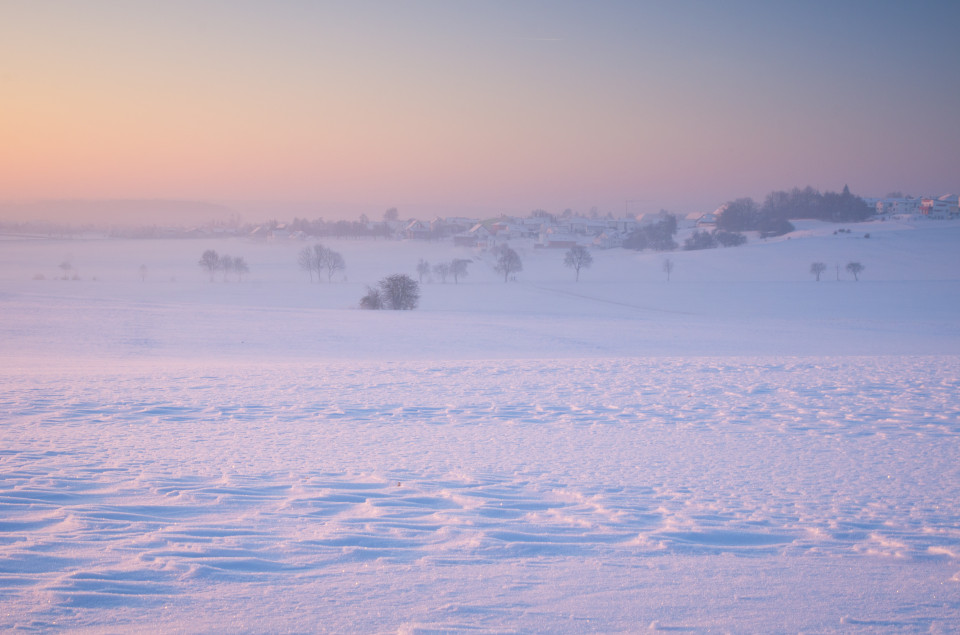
x=483, y=107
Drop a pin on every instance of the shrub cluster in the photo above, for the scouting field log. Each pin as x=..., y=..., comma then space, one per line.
x=399, y=292
x=711, y=240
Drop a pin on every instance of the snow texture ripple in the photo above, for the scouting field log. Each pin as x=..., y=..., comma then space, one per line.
x=576, y=495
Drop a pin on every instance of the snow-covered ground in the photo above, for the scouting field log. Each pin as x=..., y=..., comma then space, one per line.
x=740, y=449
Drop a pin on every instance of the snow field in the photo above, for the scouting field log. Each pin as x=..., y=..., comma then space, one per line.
x=149, y=493
x=742, y=449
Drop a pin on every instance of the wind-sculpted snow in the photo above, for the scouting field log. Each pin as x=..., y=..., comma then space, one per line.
x=741, y=449
x=753, y=494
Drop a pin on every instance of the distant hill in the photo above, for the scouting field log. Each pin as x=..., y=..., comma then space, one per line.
x=116, y=211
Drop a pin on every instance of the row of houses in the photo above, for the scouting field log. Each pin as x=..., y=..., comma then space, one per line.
x=545, y=231
x=946, y=206
x=549, y=231
x=562, y=232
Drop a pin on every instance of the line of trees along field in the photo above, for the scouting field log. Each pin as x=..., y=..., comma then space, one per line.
x=855, y=268
x=362, y=228
x=321, y=260
x=773, y=217
x=212, y=262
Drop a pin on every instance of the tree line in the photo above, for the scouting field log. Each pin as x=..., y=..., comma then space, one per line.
x=456, y=268
x=212, y=262
x=657, y=236
x=361, y=228
x=320, y=260
x=773, y=217
x=854, y=268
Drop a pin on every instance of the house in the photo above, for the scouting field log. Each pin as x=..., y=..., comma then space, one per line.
x=417, y=230
x=942, y=207
x=477, y=236
x=280, y=232
x=443, y=227
x=622, y=225
x=261, y=232
x=608, y=240
x=577, y=225
x=465, y=239
x=899, y=206
x=556, y=238
x=271, y=231
x=709, y=220
x=530, y=227
x=559, y=242
x=502, y=229
x=691, y=219
x=951, y=204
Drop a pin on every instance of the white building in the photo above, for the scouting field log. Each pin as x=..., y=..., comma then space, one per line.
x=898, y=206
x=945, y=206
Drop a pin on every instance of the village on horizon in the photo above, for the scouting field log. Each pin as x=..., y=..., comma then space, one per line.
x=544, y=229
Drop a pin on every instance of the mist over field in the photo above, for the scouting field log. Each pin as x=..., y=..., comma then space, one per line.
x=479, y=317
x=137, y=213
x=723, y=450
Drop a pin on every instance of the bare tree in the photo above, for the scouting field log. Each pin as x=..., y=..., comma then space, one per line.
x=226, y=265
x=305, y=261
x=399, y=292
x=319, y=259
x=817, y=269
x=856, y=269
x=391, y=214
x=667, y=267
x=508, y=262
x=241, y=267
x=210, y=261
x=458, y=267
x=333, y=262
x=578, y=258
x=423, y=268
x=143, y=273
x=442, y=269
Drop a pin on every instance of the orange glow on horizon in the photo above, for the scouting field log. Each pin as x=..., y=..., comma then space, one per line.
x=184, y=102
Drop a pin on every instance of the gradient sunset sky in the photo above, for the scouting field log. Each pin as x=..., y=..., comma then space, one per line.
x=476, y=108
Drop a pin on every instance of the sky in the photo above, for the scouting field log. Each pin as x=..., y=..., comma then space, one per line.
x=475, y=108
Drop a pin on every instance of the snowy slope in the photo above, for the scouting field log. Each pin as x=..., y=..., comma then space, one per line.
x=740, y=449
x=755, y=299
